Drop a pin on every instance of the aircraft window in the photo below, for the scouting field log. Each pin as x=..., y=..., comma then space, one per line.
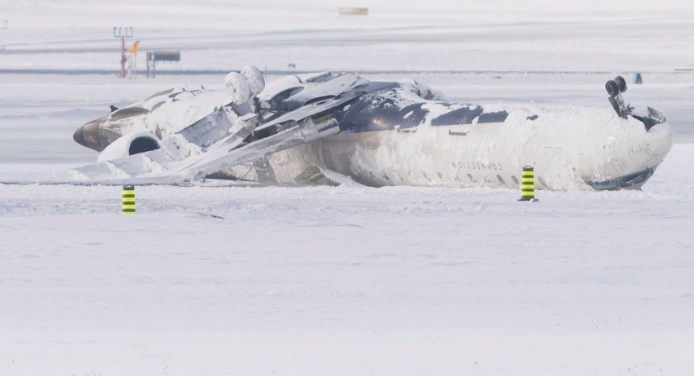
x=469, y=176
x=501, y=180
x=515, y=180
x=127, y=112
x=440, y=175
x=160, y=93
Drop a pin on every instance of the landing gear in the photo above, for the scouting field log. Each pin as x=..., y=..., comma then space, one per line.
x=614, y=89
x=621, y=83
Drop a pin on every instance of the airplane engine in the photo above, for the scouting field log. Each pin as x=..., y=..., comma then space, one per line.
x=130, y=144
x=238, y=88
x=255, y=79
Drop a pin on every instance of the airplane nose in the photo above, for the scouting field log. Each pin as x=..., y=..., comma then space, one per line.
x=78, y=136
x=89, y=135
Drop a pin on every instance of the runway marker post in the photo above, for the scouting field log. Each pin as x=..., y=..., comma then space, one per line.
x=528, y=184
x=128, y=199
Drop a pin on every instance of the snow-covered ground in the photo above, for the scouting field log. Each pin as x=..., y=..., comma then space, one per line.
x=323, y=280
x=344, y=280
x=586, y=35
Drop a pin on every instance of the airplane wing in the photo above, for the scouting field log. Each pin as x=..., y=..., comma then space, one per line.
x=297, y=113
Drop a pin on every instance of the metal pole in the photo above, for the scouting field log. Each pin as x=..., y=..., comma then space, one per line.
x=122, y=33
x=122, y=57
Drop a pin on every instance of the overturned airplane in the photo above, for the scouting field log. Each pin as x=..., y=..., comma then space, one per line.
x=312, y=128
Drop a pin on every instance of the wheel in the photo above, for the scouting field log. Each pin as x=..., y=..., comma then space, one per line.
x=612, y=88
x=621, y=82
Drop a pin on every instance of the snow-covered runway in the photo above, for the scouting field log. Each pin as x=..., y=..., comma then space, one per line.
x=344, y=280
x=349, y=280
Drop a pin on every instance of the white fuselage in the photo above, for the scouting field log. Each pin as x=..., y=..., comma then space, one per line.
x=567, y=147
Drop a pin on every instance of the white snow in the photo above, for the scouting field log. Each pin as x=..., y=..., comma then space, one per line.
x=344, y=280
x=327, y=280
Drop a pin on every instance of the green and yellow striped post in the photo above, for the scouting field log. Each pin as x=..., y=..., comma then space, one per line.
x=128, y=199
x=528, y=184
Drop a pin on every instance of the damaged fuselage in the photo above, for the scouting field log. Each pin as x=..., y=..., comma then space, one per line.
x=378, y=133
